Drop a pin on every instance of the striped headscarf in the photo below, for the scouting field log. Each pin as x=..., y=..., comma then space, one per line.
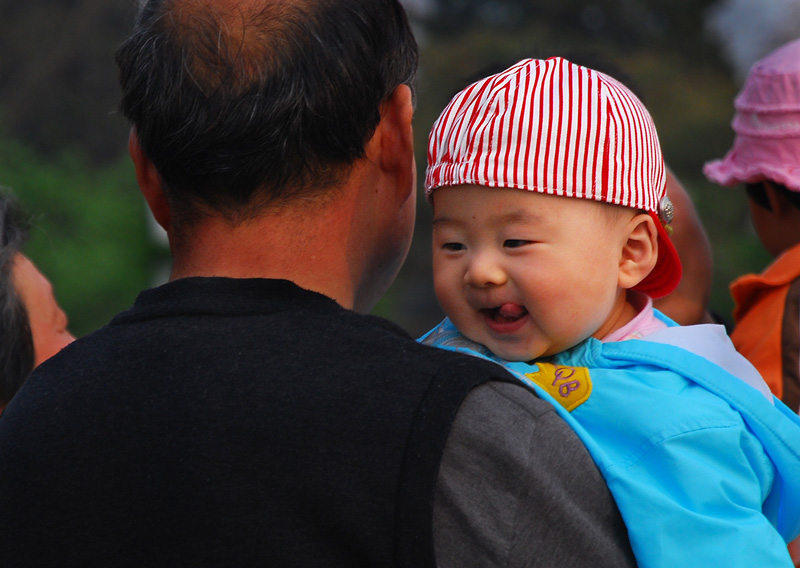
x=555, y=127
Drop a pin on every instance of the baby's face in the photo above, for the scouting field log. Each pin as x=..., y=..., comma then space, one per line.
x=526, y=274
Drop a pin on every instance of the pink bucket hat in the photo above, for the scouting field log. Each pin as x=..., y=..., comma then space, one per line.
x=767, y=125
x=554, y=127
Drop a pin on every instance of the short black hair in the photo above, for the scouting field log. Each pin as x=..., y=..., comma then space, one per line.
x=757, y=192
x=244, y=104
x=17, y=355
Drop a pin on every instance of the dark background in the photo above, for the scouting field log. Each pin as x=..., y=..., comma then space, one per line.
x=63, y=146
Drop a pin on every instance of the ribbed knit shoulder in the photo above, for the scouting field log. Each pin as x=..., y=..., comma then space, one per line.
x=234, y=422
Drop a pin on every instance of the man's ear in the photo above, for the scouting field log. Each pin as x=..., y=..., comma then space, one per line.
x=397, y=139
x=149, y=182
x=639, y=252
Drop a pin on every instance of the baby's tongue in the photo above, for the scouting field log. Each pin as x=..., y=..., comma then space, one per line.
x=512, y=311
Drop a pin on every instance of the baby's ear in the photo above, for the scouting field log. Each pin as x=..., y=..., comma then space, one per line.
x=640, y=251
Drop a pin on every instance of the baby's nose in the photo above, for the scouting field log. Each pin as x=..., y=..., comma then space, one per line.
x=484, y=271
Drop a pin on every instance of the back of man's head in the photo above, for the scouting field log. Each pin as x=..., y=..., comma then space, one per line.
x=16, y=348
x=245, y=103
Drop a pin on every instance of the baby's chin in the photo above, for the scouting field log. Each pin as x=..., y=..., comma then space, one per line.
x=526, y=353
x=519, y=355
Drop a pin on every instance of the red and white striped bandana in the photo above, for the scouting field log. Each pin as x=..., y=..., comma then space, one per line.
x=554, y=127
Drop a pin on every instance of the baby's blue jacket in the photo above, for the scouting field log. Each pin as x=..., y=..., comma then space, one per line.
x=705, y=469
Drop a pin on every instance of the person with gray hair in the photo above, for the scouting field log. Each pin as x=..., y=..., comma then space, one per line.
x=32, y=326
x=16, y=347
x=248, y=412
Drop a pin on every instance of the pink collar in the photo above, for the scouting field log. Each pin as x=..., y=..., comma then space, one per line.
x=644, y=323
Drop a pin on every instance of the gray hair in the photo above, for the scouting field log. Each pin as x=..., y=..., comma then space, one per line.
x=16, y=342
x=243, y=107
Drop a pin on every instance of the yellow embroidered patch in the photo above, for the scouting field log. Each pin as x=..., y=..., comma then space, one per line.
x=570, y=386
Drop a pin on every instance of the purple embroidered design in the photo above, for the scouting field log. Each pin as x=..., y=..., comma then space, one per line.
x=563, y=382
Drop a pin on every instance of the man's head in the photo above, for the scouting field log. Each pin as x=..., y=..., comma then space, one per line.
x=547, y=181
x=242, y=104
x=32, y=325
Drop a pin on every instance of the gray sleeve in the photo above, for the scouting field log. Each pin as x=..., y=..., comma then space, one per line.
x=517, y=487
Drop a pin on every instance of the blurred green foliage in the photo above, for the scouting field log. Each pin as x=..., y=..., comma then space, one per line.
x=58, y=91
x=88, y=235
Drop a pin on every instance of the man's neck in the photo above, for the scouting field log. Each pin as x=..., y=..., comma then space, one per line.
x=310, y=250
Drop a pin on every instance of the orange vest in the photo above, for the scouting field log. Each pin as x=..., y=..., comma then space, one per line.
x=767, y=324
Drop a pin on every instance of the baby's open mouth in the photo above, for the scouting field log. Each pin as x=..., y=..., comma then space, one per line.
x=507, y=313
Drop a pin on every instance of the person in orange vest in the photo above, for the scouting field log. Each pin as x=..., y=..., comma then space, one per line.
x=766, y=158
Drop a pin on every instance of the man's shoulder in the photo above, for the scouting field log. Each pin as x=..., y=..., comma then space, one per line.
x=458, y=363
x=263, y=324
x=369, y=337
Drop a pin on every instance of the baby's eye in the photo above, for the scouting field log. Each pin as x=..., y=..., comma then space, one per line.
x=514, y=243
x=453, y=246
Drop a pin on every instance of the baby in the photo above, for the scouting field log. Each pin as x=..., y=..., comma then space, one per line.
x=550, y=240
